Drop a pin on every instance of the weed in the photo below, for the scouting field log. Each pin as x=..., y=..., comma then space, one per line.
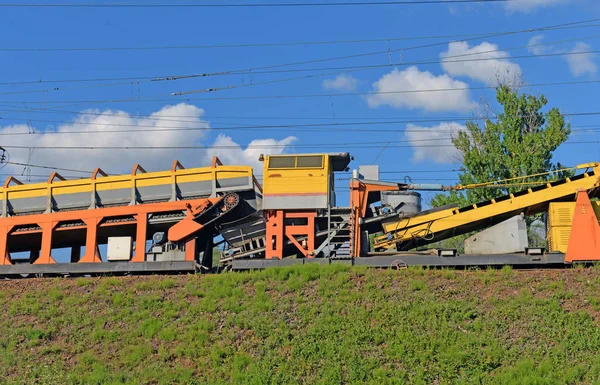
x=82, y=282
x=167, y=283
x=507, y=270
x=150, y=327
x=304, y=324
x=417, y=285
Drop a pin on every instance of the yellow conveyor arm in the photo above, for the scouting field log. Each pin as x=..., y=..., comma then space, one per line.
x=435, y=225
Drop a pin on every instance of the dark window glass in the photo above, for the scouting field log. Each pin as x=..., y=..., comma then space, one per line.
x=282, y=162
x=310, y=161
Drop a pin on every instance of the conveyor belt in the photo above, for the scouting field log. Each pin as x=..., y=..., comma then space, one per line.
x=436, y=225
x=138, y=187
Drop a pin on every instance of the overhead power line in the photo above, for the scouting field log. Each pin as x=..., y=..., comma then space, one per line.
x=39, y=176
x=347, y=126
x=167, y=118
x=48, y=167
x=243, y=5
x=264, y=44
x=235, y=147
x=365, y=67
x=345, y=68
x=298, y=96
x=258, y=70
x=262, y=69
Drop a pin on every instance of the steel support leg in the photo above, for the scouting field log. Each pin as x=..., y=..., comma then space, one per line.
x=4, y=256
x=91, y=241
x=34, y=255
x=275, y=234
x=207, y=257
x=140, y=238
x=75, y=254
x=45, y=252
x=190, y=250
x=307, y=231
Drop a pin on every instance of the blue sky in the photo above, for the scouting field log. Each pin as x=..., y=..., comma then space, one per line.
x=24, y=107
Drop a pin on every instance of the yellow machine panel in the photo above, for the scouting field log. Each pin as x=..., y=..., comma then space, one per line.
x=116, y=190
x=301, y=181
x=560, y=219
x=296, y=175
x=558, y=238
x=561, y=214
x=296, y=181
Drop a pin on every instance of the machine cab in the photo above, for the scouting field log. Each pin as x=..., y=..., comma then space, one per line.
x=301, y=181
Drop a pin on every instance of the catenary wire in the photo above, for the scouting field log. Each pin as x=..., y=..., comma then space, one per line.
x=245, y=5
x=249, y=128
x=235, y=147
x=298, y=96
x=254, y=69
x=250, y=45
x=166, y=118
x=443, y=60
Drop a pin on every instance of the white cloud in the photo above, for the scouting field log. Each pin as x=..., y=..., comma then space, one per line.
x=433, y=143
x=530, y=5
x=230, y=152
x=341, y=82
x=581, y=64
x=411, y=80
x=534, y=48
x=171, y=126
x=456, y=61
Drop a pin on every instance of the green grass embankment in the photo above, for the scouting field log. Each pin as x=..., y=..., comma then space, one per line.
x=308, y=325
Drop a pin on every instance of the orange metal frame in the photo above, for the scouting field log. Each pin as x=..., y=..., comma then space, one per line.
x=188, y=226
x=92, y=219
x=359, y=201
x=277, y=230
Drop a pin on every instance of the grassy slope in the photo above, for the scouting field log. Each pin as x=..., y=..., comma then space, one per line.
x=305, y=325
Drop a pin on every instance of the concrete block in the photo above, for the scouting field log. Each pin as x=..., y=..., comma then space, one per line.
x=506, y=237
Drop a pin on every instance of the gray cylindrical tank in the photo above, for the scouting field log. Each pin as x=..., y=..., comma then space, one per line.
x=409, y=201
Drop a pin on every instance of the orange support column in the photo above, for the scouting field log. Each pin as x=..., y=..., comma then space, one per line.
x=275, y=234
x=190, y=250
x=140, y=238
x=91, y=242
x=584, y=242
x=4, y=255
x=359, y=202
x=307, y=230
x=45, y=252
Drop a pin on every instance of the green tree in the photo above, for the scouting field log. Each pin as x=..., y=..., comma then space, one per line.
x=517, y=142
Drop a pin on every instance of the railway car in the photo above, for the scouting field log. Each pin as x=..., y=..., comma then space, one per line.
x=174, y=221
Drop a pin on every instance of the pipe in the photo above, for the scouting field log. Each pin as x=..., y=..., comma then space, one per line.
x=428, y=187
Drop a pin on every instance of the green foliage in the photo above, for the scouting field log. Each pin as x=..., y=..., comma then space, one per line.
x=515, y=143
x=518, y=142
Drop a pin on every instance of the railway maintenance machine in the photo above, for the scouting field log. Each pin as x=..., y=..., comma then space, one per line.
x=221, y=216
